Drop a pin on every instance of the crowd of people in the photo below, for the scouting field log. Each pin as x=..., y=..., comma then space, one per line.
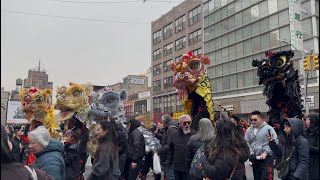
x=121, y=153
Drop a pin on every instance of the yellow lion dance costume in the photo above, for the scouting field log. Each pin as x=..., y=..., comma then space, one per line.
x=37, y=105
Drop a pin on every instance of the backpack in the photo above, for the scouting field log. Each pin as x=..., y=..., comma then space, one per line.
x=196, y=164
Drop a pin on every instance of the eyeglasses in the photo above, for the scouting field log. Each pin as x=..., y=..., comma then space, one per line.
x=186, y=123
x=254, y=119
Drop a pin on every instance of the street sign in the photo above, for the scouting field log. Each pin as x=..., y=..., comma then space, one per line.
x=296, y=32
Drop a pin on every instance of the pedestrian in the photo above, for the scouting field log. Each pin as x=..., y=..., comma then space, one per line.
x=312, y=135
x=71, y=155
x=205, y=134
x=136, y=150
x=122, y=135
x=293, y=146
x=236, y=121
x=178, y=148
x=226, y=154
x=16, y=143
x=169, y=127
x=48, y=152
x=13, y=170
x=106, y=161
x=261, y=154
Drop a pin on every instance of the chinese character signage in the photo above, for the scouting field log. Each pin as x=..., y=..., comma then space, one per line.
x=296, y=24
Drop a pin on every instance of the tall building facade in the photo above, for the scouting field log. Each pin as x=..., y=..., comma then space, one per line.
x=38, y=78
x=173, y=34
x=4, y=105
x=238, y=31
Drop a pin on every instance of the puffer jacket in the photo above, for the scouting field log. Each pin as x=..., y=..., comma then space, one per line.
x=51, y=161
x=298, y=163
x=136, y=144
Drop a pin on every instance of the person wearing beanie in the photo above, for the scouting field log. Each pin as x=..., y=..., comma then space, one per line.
x=312, y=135
x=48, y=152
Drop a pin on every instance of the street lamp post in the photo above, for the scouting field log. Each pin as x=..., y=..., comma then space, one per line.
x=305, y=77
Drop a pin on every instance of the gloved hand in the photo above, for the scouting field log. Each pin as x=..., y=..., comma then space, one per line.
x=252, y=157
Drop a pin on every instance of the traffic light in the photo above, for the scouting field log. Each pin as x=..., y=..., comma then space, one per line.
x=307, y=63
x=316, y=62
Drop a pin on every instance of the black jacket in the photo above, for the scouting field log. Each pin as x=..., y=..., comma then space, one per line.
x=16, y=148
x=222, y=167
x=192, y=147
x=136, y=145
x=168, y=131
x=177, y=150
x=298, y=164
x=72, y=161
x=122, y=134
x=105, y=166
x=312, y=135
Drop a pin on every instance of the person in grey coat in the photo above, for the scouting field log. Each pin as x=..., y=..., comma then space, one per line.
x=106, y=161
x=48, y=152
x=291, y=136
x=205, y=134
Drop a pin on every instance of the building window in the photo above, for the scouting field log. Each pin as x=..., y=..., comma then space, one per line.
x=194, y=15
x=157, y=54
x=157, y=105
x=156, y=69
x=168, y=103
x=179, y=106
x=156, y=85
x=166, y=65
x=167, y=31
x=168, y=49
x=178, y=58
x=197, y=52
x=128, y=110
x=180, y=23
x=140, y=107
x=167, y=82
x=181, y=43
x=157, y=37
x=195, y=36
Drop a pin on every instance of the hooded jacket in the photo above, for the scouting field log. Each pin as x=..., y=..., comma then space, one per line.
x=72, y=160
x=298, y=163
x=312, y=135
x=51, y=161
x=136, y=145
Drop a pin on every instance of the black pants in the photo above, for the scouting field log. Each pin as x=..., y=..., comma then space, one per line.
x=178, y=175
x=263, y=169
x=129, y=173
x=147, y=164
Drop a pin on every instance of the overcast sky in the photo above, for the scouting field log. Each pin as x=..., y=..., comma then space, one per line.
x=80, y=42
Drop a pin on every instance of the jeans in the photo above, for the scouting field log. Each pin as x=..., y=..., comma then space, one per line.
x=169, y=172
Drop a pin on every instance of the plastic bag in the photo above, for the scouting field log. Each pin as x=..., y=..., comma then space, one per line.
x=156, y=164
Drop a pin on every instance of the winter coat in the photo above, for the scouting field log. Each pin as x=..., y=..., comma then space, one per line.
x=178, y=149
x=51, y=161
x=298, y=163
x=122, y=144
x=136, y=144
x=168, y=131
x=222, y=167
x=312, y=135
x=16, y=148
x=193, y=145
x=105, y=166
x=16, y=171
x=72, y=160
x=259, y=143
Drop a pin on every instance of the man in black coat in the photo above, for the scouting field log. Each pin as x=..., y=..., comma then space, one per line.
x=135, y=151
x=177, y=148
